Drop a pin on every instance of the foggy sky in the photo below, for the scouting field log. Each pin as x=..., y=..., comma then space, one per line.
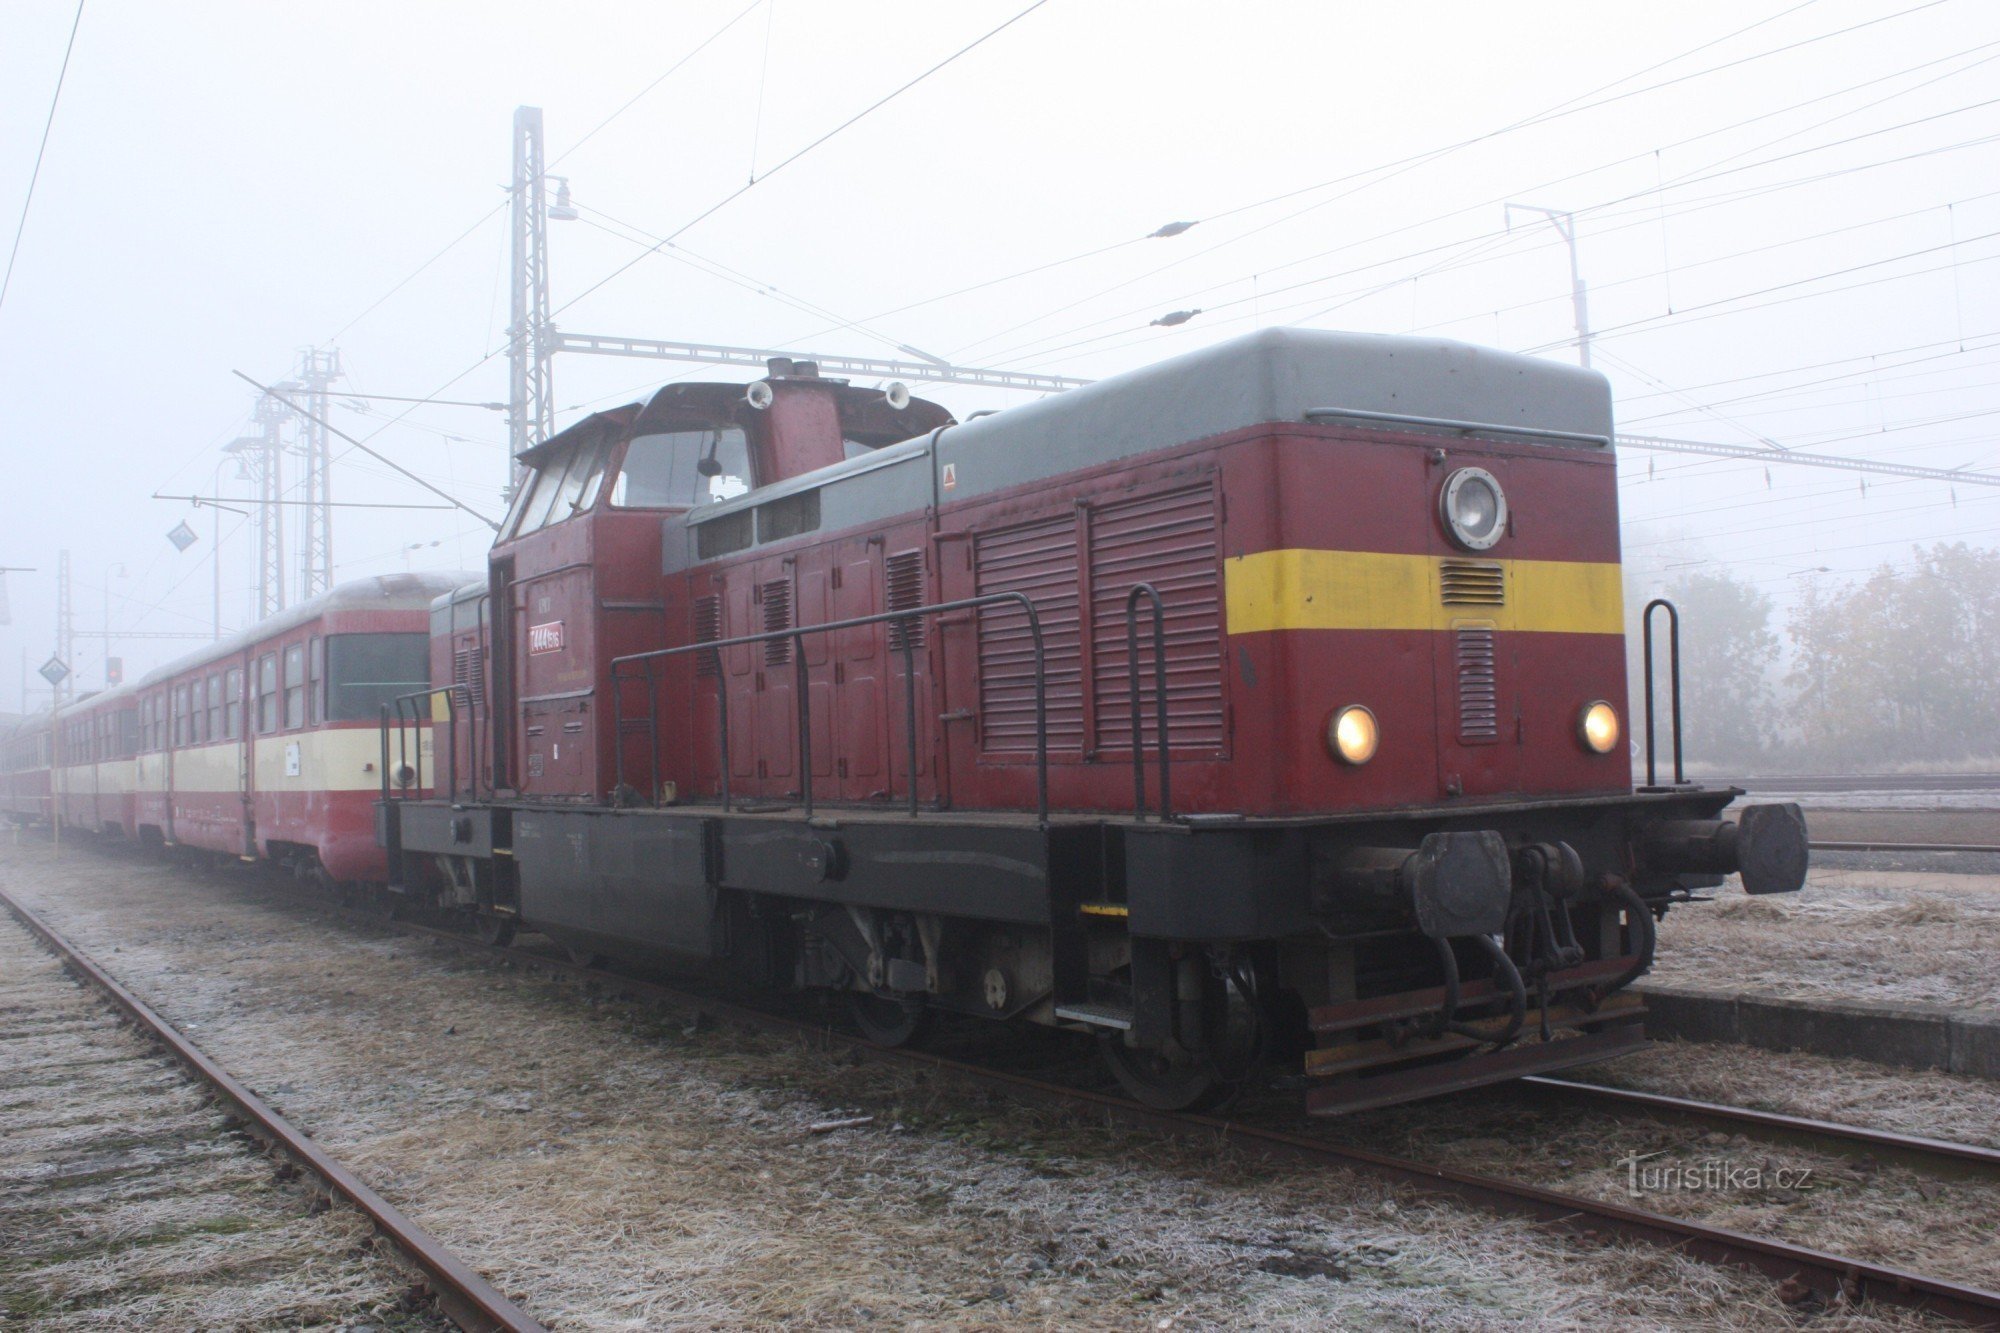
x=229, y=183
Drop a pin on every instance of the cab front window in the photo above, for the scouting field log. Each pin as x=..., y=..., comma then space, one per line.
x=670, y=469
x=562, y=485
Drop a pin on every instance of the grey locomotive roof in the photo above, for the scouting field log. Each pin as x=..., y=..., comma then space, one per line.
x=1274, y=375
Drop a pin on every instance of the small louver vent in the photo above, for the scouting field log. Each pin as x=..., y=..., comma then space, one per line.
x=1473, y=583
x=906, y=591
x=1478, y=688
x=777, y=601
x=468, y=672
x=707, y=629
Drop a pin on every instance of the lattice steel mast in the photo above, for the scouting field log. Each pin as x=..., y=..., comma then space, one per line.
x=317, y=370
x=531, y=410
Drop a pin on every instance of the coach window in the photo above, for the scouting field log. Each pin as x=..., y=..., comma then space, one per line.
x=295, y=687
x=214, y=729
x=267, y=693
x=366, y=671
x=666, y=471
x=180, y=715
x=232, y=703
x=198, y=713
x=316, y=679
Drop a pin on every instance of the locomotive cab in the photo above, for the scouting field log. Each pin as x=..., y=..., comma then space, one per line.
x=575, y=571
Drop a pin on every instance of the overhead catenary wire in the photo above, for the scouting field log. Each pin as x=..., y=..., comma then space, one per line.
x=362, y=445
x=501, y=206
x=1398, y=167
x=34, y=176
x=751, y=184
x=712, y=209
x=1021, y=351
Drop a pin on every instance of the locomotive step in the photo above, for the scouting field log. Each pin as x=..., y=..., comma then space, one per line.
x=1345, y=1095
x=1115, y=1016
x=1354, y=1057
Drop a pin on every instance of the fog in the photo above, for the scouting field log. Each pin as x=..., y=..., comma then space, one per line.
x=1785, y=216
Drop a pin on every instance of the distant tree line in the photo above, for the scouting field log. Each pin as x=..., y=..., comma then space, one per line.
x=1899, y=669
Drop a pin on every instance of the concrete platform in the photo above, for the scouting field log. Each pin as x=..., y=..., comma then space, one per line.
x=1908, y=1036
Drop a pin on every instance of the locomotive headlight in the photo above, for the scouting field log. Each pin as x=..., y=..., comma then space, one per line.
x=1352, y=734
x=1474, y=508
x=1597, y=727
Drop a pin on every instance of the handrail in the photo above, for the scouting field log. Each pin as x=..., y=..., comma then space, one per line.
x=1159, y=697
x=403, y=725
x=803, y=693
x=1674, y=676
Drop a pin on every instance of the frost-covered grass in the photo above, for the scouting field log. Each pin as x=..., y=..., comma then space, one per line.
x=616, y=1167
x=1898, y=937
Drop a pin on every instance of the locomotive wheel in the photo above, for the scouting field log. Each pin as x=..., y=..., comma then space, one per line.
x=888, y=1022
x=1150, y=1078
x=494, y=929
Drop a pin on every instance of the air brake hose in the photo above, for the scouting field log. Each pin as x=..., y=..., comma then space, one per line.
x=1645, y=935
x=1503, y=967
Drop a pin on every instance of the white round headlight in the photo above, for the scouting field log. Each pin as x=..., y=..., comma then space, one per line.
x=1352, y=735
x=1474, y=508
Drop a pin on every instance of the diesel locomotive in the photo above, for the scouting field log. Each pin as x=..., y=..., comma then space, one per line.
x=1259, y=711
x=1266, y=705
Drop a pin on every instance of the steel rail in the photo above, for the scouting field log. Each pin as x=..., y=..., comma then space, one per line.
x=1939, y=1156
x=1987, y=848
x=1829, y=1276
x=466, y=1298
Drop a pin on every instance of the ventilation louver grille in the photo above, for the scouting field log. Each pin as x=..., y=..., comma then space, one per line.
x=1473, y=583
x=707, y=629
x=777, y=601
x=1038, y=559
x=468, y=672
x=906, y=591
x=1167, y=539
x=1478, y=688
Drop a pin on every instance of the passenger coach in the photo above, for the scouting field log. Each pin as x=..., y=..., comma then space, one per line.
x=262, y=746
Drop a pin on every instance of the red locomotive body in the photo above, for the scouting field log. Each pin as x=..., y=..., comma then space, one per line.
x=819, y=685
x=266, y=745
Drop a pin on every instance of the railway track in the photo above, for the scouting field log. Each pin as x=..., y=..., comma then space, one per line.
x=1987, y=849
x=1936, y=1156
x=1830, y=1277
x=463, y=1296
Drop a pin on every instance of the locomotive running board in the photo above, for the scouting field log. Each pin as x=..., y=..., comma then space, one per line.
x=1624, y=1033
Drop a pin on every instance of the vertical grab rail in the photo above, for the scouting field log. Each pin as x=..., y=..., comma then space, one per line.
x=1159, y=698
x=405, y=722
x=902, y=628
x=1674, y=679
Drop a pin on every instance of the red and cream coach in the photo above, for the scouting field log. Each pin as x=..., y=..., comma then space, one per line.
x=264, y=745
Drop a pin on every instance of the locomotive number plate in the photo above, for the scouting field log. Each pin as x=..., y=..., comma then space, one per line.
x=547, y=638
